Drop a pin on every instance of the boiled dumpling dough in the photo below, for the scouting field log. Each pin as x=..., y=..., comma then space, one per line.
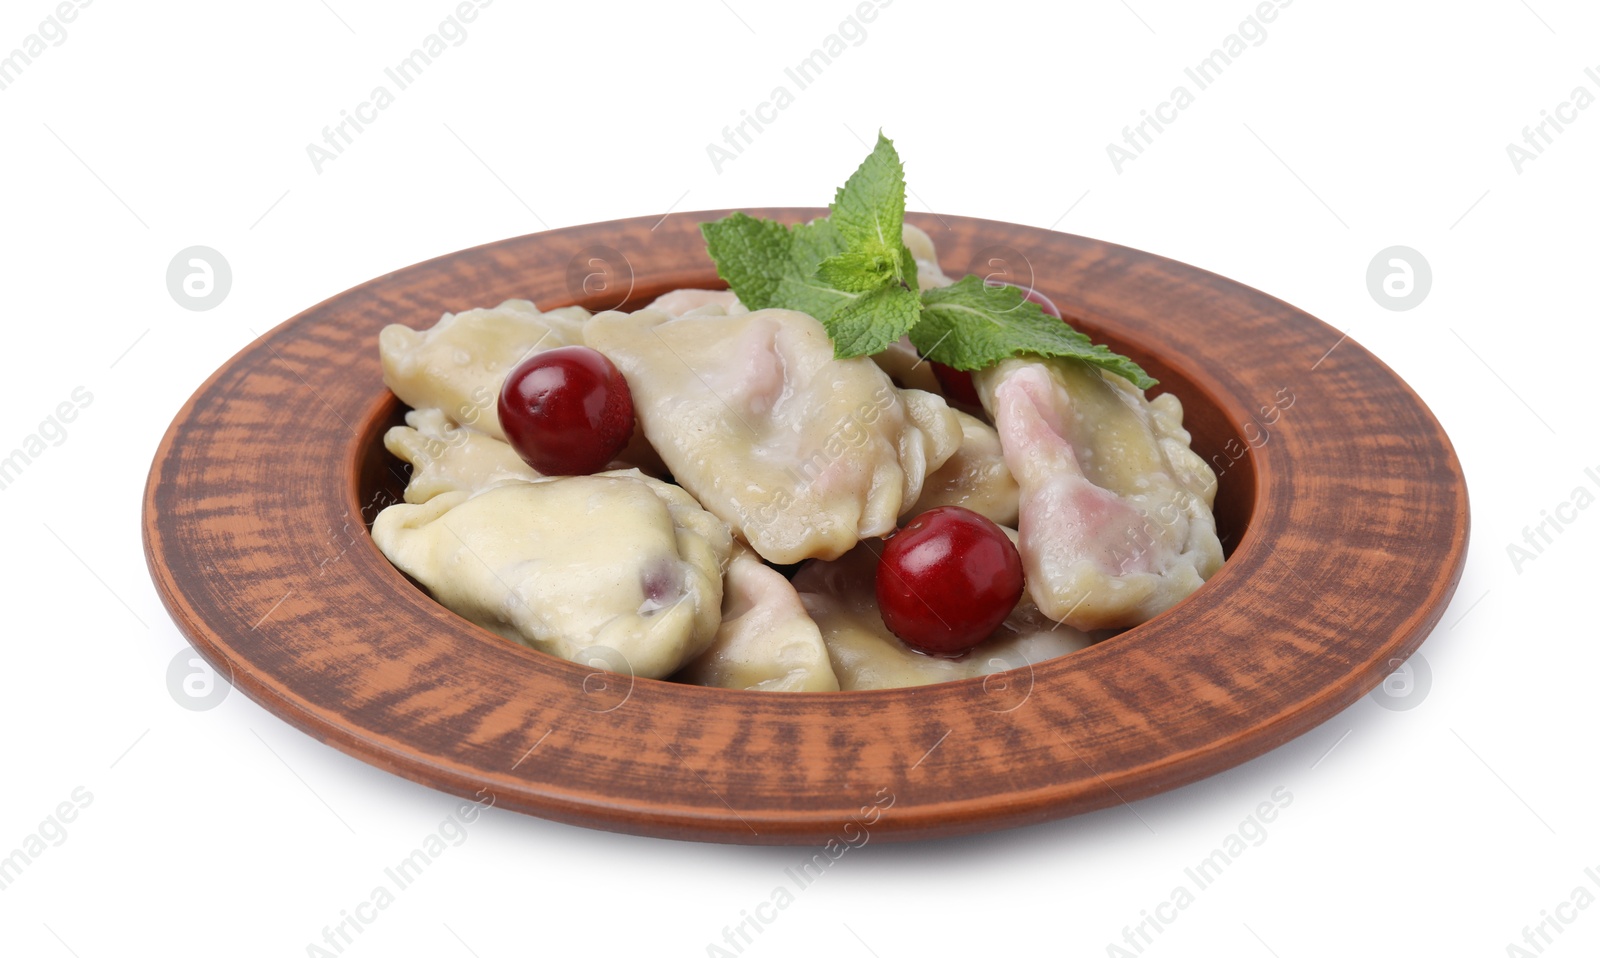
x=975, y=477
x=908, y=370
x=1116, y=523
x=766, y=641
x=709, y=302
x=802, y=454
x=933, y=442
x=458, y=365
x=920, y=244
x=445, y=457
x=840, y=596
x=570, y=563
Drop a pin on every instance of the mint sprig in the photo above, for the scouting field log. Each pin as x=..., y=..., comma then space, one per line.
x=972, y=319
x=853, y=272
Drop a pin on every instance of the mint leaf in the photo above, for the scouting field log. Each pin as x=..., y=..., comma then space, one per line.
x=813, y=242
x=814, y=298
x=869, y=323
x=971, y=325
x=754, y=256
x=859, y=323
x=858, y=270
x=908, y=267
x=870, y=206
x=849, y=271
x=751, y=254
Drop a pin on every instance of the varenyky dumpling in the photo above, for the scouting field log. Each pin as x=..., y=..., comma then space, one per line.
x=929, y=274
x=445, y=457
x=457, y=366
x=975, y=477
x=866, y=655
x=714, y=302
x=767, y=641
x=901, y=363
x=1116, y=523
x=801, y=453
x=570, y=563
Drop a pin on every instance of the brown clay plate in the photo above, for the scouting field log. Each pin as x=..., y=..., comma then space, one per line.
x=1340, y=499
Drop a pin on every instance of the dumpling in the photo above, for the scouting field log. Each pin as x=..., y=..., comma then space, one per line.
x=925, y=449
x=908, y=370
x=920, y=244
x=570, y=563
x=975, y=477
x=1116, y=523
x=766, y=641
x=841, y=598
x=458, y=365
x=713, y=302
x=802, y=454
x=445, y=457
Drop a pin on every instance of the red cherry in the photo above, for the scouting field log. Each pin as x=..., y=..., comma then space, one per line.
x=957, y=383
x=567, y=411
x=947, y=581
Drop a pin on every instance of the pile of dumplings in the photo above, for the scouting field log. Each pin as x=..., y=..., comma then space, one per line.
x=756, y=449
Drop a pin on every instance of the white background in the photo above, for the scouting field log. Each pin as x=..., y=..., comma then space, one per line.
x=1354, y=126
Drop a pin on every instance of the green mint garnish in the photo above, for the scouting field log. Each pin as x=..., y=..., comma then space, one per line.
x=853, y=272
